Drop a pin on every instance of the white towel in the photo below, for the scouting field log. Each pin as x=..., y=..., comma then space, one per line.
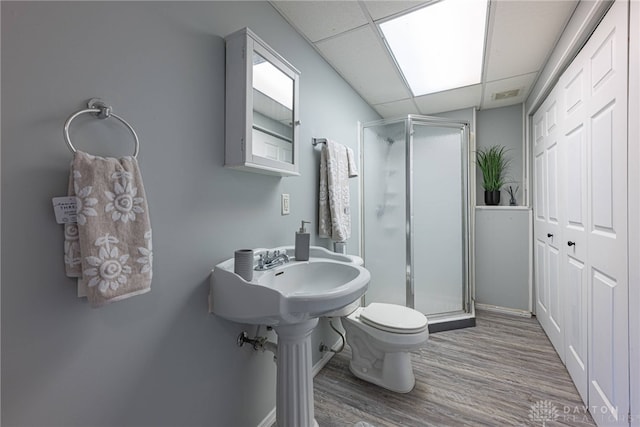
x=351, y=160
x=334, y=199
x=109, y=250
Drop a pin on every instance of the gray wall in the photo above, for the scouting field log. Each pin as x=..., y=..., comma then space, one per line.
x=502, y=233
x=502, y=258
x=502, y=126
x=158, y=359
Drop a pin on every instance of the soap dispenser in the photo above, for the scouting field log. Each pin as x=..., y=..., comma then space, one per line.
x=302, y=243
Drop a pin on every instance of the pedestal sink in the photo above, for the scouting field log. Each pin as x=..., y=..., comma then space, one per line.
x=290, y=298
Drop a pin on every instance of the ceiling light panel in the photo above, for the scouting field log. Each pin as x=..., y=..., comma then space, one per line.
x=440, y=46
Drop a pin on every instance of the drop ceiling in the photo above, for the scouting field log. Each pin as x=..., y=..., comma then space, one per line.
x=520, y=36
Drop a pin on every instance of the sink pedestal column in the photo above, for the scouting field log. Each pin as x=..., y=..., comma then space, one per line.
x=294, y=389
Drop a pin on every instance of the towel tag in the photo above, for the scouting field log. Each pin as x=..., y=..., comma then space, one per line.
x=66, y=209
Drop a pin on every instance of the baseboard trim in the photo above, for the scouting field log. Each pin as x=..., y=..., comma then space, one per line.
x=270, y=419
x=503, y=310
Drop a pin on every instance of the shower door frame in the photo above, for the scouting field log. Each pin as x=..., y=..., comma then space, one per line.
x=464, y=127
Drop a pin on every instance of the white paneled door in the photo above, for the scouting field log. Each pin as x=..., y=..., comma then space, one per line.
x=574, y=90
x=547, y=221
x=605, y=58
x=580, y=203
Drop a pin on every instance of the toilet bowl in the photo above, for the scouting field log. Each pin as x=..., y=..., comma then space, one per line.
x=381, y=337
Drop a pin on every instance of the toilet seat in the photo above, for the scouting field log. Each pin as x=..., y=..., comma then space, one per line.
x=393, y=318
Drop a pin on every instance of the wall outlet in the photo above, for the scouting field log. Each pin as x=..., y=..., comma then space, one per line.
x=284, y=205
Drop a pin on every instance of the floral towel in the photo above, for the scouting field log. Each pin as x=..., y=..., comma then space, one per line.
x=109, y=249
x=335, y=214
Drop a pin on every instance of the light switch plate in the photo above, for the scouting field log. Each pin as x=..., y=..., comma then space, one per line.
x=284, y=205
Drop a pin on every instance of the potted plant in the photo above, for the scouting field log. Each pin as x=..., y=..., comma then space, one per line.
x=493, y=163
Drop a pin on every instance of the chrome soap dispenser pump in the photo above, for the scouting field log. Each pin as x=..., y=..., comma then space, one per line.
x=301, y=251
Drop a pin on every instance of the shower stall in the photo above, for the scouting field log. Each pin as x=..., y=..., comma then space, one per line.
x=417, y=217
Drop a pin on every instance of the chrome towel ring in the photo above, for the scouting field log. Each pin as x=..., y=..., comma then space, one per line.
x=98, y=108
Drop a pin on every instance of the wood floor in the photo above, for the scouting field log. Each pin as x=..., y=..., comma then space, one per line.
x=490, y=375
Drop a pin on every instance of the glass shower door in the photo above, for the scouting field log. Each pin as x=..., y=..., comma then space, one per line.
x=415, y=214
x=438, y=218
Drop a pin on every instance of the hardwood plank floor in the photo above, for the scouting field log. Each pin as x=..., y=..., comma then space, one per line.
x=490, y=375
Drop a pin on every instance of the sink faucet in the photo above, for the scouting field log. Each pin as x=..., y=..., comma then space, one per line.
x=267, y=261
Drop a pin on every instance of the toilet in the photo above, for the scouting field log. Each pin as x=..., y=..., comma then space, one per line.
x=381, y=337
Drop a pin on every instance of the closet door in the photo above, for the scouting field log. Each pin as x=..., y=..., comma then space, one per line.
x=540, y=220
x=574, y=224
x=547, y=221
x=607, y=281
x=590, y=244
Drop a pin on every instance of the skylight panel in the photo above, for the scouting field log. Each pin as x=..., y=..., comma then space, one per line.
x=440, y=46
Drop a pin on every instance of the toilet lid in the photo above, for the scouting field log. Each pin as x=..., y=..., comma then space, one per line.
x=393, y=318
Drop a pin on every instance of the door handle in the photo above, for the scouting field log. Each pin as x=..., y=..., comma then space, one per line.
x=570, y=243
x=549, y=234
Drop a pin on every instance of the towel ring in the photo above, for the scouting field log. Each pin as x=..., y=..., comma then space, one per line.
x=101, y=111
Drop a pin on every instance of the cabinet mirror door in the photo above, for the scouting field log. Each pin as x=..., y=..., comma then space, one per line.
x=273, y=119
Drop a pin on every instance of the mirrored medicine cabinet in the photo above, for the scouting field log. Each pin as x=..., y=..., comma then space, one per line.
x=261, y=103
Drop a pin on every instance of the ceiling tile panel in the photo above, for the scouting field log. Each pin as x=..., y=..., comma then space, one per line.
x=396, y=109
x=365, y=64
x=450, y=100
x=379, y=9
x=521, y=83
x=318, y=20
x=523, y=34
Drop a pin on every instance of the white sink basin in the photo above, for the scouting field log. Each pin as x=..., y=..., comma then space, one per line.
x=291, y=298
x=290, y=293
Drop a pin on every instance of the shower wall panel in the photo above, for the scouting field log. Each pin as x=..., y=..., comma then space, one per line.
x=384, y=212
